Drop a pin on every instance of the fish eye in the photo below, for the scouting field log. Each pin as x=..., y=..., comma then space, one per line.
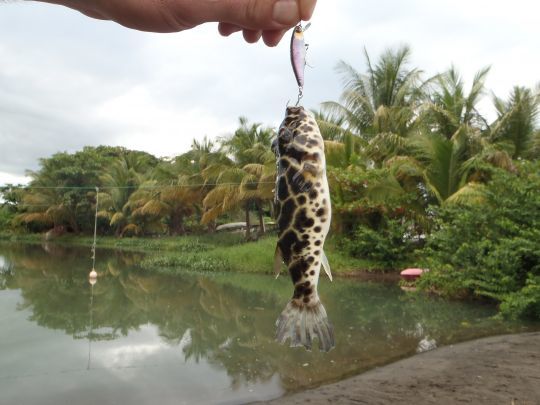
x=286, y=134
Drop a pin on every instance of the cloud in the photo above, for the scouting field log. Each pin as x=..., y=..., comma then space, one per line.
x=67, y=81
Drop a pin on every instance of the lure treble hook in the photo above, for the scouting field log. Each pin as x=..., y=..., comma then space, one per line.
x=300, y=95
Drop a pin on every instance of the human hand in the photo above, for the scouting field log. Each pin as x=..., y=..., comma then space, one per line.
x=269, y=19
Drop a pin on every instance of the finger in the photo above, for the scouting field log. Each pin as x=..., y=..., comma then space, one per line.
x=252, y=36
x=272, y=37
x=87, y=10
x=227, y=29
x=306, y=9
x=250, y=14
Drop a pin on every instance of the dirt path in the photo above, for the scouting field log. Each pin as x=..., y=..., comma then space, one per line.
x=496, y=370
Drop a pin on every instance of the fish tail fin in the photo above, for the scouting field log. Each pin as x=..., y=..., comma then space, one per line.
x=301, y=323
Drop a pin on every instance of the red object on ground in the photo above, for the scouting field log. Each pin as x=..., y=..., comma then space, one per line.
x=411, y=274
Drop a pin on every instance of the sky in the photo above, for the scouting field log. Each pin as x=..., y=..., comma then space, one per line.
x=67, y=81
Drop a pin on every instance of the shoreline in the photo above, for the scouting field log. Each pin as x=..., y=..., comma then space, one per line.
x=495, y=370
x=229, y=252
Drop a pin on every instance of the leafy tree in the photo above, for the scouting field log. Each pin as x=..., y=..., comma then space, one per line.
x=491, y=249
x=61, y=193
x=58, y=193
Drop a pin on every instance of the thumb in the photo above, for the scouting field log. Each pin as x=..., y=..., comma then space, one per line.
x=258, y=14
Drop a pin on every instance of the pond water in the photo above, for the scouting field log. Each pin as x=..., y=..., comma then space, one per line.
x=139, y=337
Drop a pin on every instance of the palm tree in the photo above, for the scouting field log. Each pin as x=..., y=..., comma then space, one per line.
x=224, y=197
x=249, y=143
x=121, y=179
x=443, y=162
x=332, y=126
x=383, y=100
x=534, y=152
x=46, y=206
x=454, y=148
x=516, y=119
x=453, y=169
x=246, y=178
x=450, y=109
x=342, y=147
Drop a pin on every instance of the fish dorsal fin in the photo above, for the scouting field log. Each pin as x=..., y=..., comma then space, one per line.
x=278, y=261
x=326, y=265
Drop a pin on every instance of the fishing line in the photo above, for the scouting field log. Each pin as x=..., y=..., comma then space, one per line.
x=91, y=326
x=154, y=186
x=92, y=279
x=95, y=234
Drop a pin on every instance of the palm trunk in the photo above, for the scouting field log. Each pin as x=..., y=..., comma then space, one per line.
x=74, y=225
x=248, y=223
x=262, y=229
x=177, y=225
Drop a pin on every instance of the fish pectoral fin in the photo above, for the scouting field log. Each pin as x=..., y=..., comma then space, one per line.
x=278, y=261
x=311, y=168
x=307, y=171
x=326, y=265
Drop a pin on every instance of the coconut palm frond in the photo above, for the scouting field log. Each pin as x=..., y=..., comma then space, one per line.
x=404, y=167
x=106, y=201
x=104, y=214
x=131, y=230
x=385, y=145
x=117, y=219
x=470, y=194
x=154, y=208
x=384, y=188
x=211, y=214
x=39, y=218
x=255, y=169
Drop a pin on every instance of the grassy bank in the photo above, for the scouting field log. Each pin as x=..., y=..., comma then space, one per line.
x=208, y=252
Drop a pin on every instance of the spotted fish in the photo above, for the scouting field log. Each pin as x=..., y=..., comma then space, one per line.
x=303, y=217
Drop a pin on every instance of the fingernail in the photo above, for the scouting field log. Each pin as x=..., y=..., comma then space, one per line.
x=286, y=12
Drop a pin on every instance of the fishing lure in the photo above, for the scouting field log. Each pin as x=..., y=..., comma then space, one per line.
x=298, y=57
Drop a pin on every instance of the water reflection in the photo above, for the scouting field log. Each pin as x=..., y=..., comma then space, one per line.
x=225, y=320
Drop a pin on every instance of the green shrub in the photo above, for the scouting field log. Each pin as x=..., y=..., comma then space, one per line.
x=492, y=250
x=6, y=216
x=390, y=246
x=524, y=302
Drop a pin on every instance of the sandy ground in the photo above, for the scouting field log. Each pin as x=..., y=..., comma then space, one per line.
x=495, y=370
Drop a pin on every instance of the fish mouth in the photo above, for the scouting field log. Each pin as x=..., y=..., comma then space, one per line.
x=293, y=110
x=294, y=116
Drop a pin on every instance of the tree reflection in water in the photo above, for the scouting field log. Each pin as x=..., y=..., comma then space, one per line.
x=228, y=319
